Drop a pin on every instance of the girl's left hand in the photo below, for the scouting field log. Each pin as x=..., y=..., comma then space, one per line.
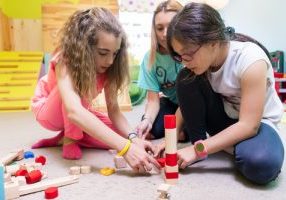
x=186, y=156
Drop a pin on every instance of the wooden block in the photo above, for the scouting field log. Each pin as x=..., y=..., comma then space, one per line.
x=85, y=169
x=30, y=166
x=171, y=181
x=112, y=151
x=120, y=162
x=106, y=171
x=164, y=188
x=20, y=180
x=12, y=169
x=20, y=155
x=11, y=156
x=45, y=175
x=7, y=177
x=75, y=170
x=12, y=191
x=62, y=181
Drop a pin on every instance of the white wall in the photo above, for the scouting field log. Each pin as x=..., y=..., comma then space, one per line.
x=264, y=20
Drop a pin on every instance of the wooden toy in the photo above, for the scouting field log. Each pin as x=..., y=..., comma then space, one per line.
x=29, y=154
x=21, y=172
x=13, y=190
x=75, y=170
x=163, y=189
x=85, y=169
x=21, y=180
x=106, y=171
x=41, y=159
x=11, y=157
x=7, y=177
x=171, y=166
x=33, y=177
x=51, y=193
x=119, y=162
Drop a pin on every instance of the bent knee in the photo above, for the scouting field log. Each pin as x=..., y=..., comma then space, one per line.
x=261, y=170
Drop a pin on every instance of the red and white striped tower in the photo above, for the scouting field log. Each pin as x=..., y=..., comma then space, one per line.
x=171, y=165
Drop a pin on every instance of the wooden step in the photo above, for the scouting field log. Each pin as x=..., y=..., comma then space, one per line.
x=19, y=72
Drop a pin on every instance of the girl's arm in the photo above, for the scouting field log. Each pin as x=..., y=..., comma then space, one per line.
x=151, y=111
x=253, y=93
x=80, y=116
x=136, y=156
x=179, y=122
x=114, y=113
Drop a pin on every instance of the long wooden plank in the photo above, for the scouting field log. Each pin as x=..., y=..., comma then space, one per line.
x=57, y=182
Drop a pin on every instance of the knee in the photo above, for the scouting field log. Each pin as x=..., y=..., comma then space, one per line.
x=260, y=169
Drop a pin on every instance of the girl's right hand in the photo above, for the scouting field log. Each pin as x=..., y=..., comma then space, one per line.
x=143, y=129
x=139, y=160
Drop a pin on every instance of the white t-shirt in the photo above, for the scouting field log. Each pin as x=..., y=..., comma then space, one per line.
x=226, y=81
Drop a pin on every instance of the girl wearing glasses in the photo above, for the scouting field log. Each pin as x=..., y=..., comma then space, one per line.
x=226, y=91
x=158, y=73
x=92, y=56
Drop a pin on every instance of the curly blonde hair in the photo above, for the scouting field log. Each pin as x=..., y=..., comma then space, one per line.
x=165, y=6
x=78, y=47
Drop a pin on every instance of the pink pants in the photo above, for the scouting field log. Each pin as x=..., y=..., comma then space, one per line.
x=51, y=114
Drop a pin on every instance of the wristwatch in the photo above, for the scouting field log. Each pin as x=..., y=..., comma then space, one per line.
x=132, y=135
x=200, y=149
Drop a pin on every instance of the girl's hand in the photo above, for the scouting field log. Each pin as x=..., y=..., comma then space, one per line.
x=143, y=129
x=144, y=144
x=159, y=149
x=186, y=156
x=139, y=160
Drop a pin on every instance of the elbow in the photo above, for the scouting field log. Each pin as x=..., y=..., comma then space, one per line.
x=250, y=129
x=73, y=114
x=253, y=129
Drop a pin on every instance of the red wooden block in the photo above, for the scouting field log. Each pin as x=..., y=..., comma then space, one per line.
x=51, y=193
x=161, y=161
x=21, y=172
x=33, y=177
x=41, y=159
x=171, y=159
x=171, y=175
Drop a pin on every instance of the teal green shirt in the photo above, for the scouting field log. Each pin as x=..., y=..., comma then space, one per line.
x=161, y=77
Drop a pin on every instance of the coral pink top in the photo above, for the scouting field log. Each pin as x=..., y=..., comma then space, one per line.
x=48, y=82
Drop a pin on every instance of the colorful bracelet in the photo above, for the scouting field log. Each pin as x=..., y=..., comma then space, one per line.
x=125, y=148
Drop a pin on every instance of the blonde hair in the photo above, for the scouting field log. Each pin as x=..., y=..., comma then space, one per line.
x=165, y=6
x=78, y=46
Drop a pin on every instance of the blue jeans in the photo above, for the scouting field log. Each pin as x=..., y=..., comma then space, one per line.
x=167, y=107
x=258, y=158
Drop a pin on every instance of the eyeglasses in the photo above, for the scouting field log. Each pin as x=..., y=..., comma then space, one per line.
x=187, y=57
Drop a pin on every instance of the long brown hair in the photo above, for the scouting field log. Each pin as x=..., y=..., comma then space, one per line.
x=165, y=6
x=78, y=42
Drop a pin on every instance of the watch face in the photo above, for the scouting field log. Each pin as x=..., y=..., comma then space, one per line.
x=200, y=147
